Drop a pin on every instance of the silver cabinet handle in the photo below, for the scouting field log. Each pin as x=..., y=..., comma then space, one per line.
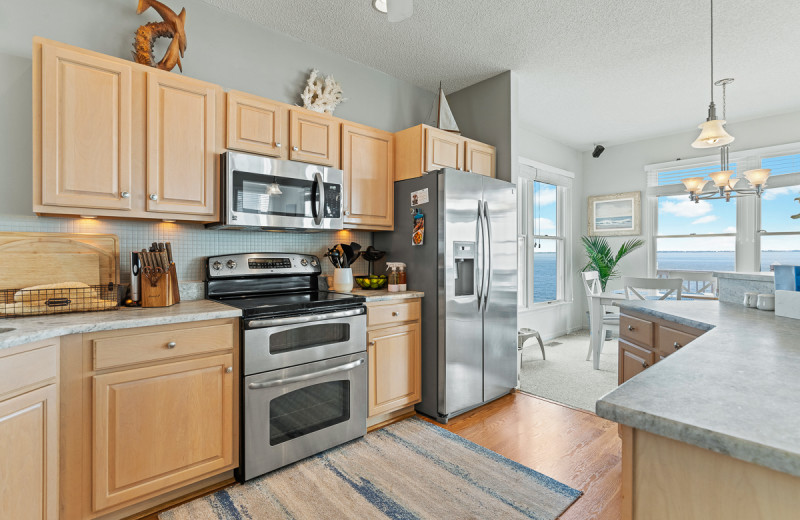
x=153, y=196
x=277, y=145
x=171, y=344
x=645, y=364
x=346, y=212
x=295, y=148
x=125, y=195
x=630, y=327
x=260, y=324
x=677, y=345
x=305, y=377
x=229, y=370
x=395, y=313
x=371, y=343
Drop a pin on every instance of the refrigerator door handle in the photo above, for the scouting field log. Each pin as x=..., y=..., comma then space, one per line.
x=487, y=274
x=479, y=261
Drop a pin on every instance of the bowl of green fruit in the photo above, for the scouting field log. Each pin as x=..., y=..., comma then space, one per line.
x=372, y=282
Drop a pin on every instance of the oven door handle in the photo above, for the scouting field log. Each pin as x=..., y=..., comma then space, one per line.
x=306, y=377
x=260, y=324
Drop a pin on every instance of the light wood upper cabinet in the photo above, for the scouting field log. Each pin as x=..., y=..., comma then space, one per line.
x=85, y=130
x=314, y=138
x=479, y=158
x=443, y=149
x=29, y=431
x=395, y=376
x=423, y=148
x=368, y=165
x=161, y=425
x=181, y=152
x=256, y=125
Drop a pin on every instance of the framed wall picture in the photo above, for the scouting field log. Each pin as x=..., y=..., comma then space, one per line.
x=615, y=215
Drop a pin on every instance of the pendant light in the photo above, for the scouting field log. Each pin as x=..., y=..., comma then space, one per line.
x=713, y=132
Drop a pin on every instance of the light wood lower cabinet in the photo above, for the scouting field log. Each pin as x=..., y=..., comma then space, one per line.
x=632, y=360
x=368, y=167
x=159, y=426
x=395, y=355
x=29, y=432
x=146, y=413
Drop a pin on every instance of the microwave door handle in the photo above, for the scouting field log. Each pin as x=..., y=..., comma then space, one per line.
x=317, y=192
x=488, y=273
x=306, y=377
x=479, y=247
x=260, y=324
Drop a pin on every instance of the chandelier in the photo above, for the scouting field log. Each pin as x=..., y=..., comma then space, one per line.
x=712, y=135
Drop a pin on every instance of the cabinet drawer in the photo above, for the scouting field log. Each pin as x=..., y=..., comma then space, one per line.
x=670, y=340
x=633, y=360
x=378, y=315
x=129, y=349
x=28, y=368
x=640, y=331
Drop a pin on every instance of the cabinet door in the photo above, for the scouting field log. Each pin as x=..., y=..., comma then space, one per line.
x=633, y=360
x=443, y=150
x=255, y=124
x=314, y=138
x=159, y=427
x=480, y=158
x=86, y=130
x=29, y=456
x=181, y=156
x=395, y=373
x=367, y=162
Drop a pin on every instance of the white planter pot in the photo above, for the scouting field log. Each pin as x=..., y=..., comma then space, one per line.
x=343, y=279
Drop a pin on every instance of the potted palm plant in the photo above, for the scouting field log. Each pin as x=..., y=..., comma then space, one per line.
x=603, y=260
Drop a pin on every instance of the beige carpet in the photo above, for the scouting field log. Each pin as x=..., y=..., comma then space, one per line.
x=408, y=470
x=566, y=377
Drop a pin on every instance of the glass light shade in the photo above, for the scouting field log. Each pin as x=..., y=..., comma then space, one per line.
x=274, y=189
x=731, y=184
x=757, y=177
x=694, y=184
x=713, y=134
x=721, y=178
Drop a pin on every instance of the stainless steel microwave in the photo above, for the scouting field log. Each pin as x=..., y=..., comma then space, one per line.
x=272, y=194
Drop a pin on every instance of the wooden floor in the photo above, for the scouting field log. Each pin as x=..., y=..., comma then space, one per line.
x=573, y=446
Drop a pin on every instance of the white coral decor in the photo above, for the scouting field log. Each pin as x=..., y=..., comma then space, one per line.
x=321, y=95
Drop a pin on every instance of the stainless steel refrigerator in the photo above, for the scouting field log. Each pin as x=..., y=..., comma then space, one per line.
x=467, y=266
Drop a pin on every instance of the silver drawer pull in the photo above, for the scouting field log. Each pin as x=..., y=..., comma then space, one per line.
x=645, y=364
x=677, y=345
x=305, y=377
x=395, y=313
x=229, y=370
x=630, y=327
x=260, y=324
x=171, y=344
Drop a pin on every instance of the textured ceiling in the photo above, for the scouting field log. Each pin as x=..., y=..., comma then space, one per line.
x=603, y=71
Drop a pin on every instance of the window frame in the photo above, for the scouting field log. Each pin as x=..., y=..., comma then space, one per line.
x=748, y=209
x=530, y=172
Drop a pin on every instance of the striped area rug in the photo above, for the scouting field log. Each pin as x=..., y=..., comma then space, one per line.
x=408, y=470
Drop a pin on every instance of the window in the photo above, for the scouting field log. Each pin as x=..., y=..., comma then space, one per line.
x=746, y=234
x=544, y=199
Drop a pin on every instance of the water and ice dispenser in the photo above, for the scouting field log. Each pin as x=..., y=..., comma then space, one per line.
x=464, y=268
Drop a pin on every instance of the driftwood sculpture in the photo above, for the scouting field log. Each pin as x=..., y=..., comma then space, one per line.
x=171, y=27
x=798, y=215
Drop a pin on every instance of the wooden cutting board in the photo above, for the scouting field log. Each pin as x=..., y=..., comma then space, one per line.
x=28, y=259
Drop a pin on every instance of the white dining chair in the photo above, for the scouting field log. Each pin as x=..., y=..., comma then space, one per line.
x=635, y=288
x=593, y=288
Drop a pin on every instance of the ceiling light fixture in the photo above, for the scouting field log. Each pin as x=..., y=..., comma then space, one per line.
x=397, y=10
x=713, y=133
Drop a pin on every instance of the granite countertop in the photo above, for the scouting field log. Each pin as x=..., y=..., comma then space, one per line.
x=734, y=390
x=35, y=328
x=384, y=295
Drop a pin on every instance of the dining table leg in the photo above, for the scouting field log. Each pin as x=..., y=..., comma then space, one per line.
x=596, y=331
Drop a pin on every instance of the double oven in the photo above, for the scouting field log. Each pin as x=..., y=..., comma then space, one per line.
x=304, y=361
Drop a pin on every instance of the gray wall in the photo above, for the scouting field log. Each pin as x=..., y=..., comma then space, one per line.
x=222, y=49
x=483, y=112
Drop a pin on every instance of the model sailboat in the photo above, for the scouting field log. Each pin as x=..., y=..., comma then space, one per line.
x=444, y=116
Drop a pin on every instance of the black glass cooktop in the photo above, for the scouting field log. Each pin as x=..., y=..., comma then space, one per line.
x=291, y=303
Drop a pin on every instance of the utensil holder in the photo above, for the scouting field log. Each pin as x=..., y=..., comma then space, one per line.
x=343, y=279
x=159, y=288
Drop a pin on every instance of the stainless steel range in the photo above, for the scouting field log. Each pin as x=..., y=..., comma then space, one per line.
x=304, y=360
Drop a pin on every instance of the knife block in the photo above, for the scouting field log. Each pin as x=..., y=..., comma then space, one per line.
x=160, y=289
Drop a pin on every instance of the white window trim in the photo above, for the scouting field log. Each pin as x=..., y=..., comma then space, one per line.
x=562, y=179
x=748, y=209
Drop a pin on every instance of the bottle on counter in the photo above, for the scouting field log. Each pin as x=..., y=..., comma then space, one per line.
x=397, y=276
x=401, y=277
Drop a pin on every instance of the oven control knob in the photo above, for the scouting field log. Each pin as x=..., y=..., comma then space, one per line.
x=304, y=262
x=231, y=264
x=217, y=265
x=314, y=263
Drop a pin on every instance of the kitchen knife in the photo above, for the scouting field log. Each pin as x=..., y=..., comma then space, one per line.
x=169, y=252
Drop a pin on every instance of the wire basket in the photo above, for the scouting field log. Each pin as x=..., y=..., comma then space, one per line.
x=17, y=303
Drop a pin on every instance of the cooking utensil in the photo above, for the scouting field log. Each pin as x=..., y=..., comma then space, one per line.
x=372, y=255
x=348, y=253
